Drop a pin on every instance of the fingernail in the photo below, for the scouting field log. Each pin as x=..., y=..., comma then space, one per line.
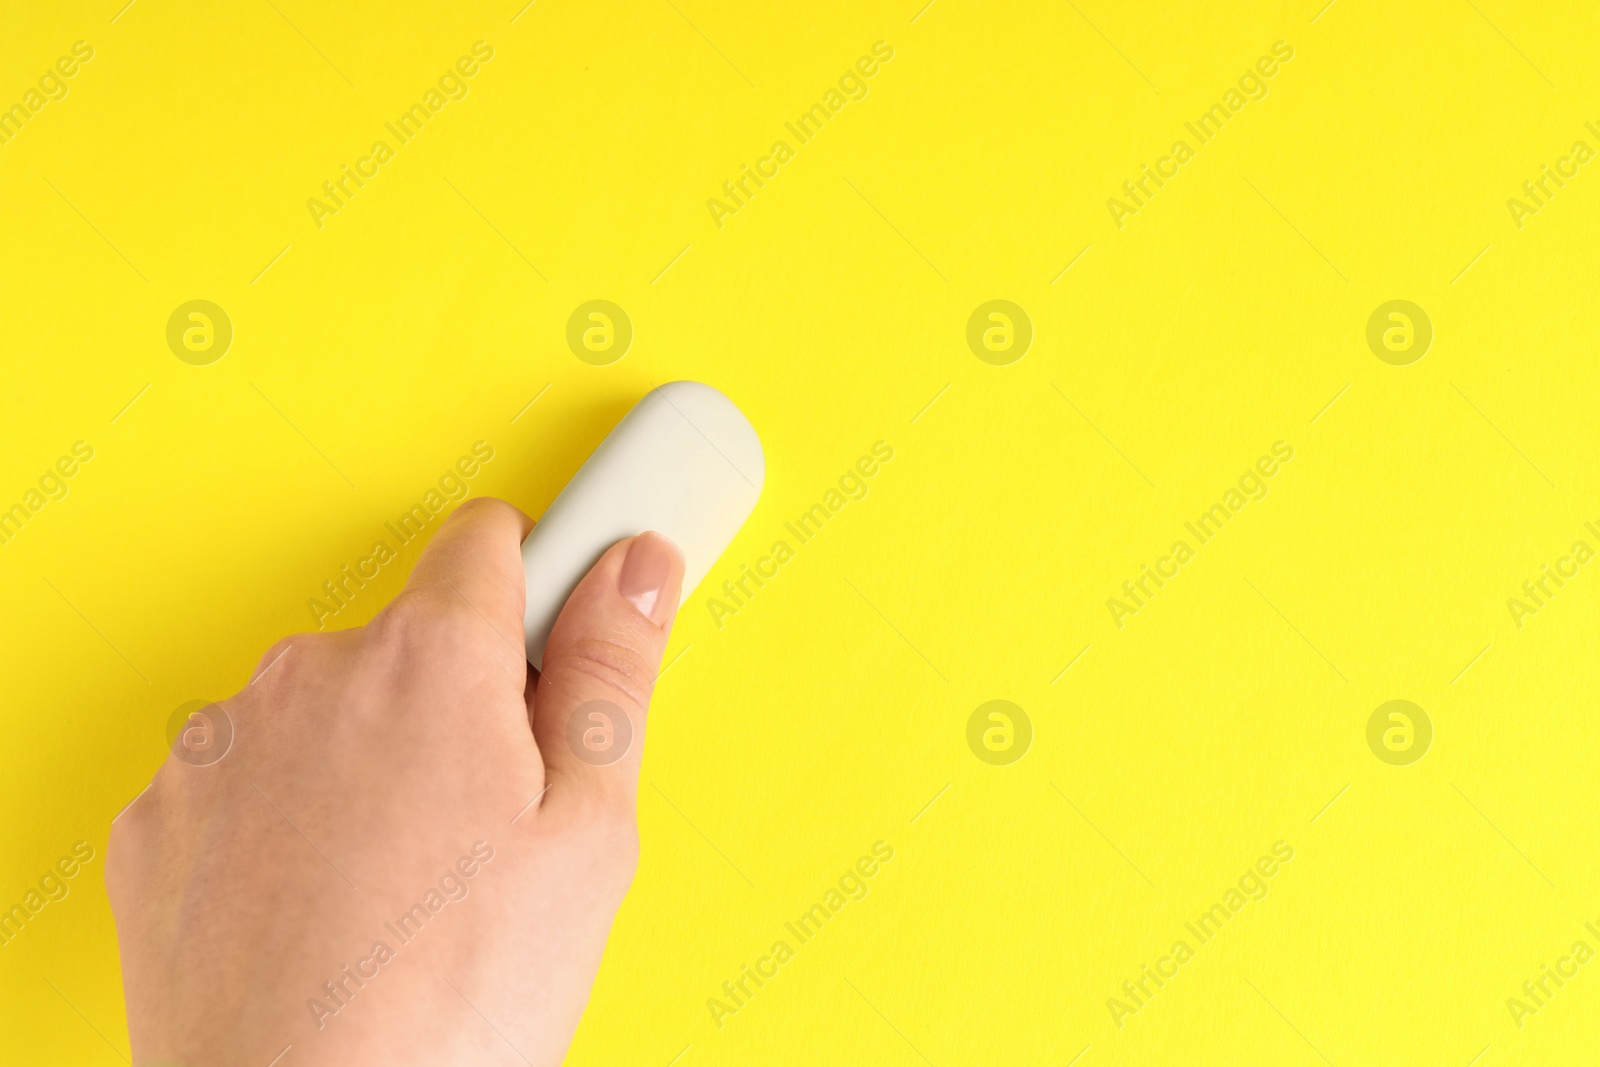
x=646, y=570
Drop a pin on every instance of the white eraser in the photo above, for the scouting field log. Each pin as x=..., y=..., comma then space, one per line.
x=684, y=462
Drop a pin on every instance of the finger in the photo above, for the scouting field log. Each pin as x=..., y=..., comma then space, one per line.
x=475, y=561
x=600, y=666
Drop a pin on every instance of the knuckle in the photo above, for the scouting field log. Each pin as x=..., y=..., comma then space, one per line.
x=289, y=660
x=398, y=619
x=406, y=624
x=474, y=508
x=271, y=658
x=419, y=626
x=616, y=665
x=476, y=503
x=418, y=614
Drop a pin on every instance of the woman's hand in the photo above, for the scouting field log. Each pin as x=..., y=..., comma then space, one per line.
x=413, y=848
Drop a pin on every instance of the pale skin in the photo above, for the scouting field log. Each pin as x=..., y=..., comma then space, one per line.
x=371, y=766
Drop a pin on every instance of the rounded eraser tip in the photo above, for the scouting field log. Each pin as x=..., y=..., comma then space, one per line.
x=684, y=462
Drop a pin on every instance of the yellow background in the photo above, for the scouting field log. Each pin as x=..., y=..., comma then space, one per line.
x=828, y=712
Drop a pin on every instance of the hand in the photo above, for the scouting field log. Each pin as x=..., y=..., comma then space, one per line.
x=402, y=859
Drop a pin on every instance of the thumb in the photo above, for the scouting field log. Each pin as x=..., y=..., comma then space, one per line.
x=600, y=667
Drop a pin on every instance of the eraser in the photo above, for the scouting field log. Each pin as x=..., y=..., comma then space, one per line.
x=684, y=462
